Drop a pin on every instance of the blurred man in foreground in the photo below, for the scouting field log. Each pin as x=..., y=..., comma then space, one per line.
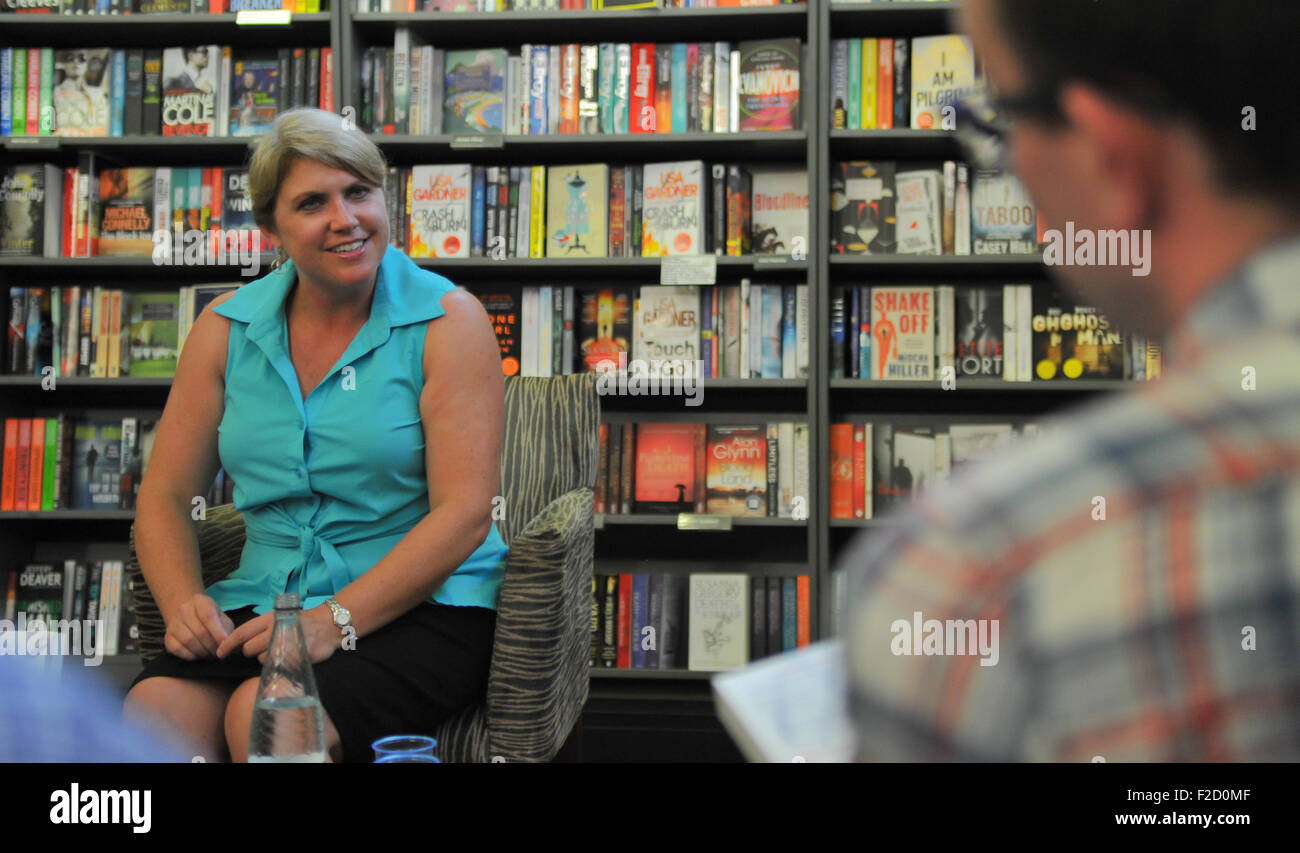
x=1126, y=587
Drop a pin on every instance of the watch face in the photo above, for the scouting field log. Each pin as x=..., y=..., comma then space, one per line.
x=340, y=619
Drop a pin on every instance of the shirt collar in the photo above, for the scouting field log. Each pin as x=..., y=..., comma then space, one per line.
x=1261, y=293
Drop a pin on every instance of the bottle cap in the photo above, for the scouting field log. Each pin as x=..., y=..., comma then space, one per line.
x=287, y=601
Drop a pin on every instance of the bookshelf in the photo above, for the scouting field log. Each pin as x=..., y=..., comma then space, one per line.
x=773, y=547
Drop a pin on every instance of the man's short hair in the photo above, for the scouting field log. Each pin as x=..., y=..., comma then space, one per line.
x=1199, y=62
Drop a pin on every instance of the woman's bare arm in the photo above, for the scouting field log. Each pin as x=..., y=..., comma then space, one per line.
x=181, y=467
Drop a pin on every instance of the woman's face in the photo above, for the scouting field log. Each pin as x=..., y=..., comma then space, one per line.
x=321, y=209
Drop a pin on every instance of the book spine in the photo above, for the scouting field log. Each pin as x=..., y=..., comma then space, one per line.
x=624, y=621
x=758, y=622
x=6, y=90
x=773, y=471
x=117, y=119
x=9, y=471
x=629, y=467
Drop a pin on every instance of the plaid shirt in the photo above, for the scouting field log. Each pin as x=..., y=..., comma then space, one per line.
x=1166, y=631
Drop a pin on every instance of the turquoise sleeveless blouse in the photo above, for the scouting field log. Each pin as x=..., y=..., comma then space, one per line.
x=329, y=485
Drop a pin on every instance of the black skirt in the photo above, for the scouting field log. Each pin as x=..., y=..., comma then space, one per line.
x=406, y=678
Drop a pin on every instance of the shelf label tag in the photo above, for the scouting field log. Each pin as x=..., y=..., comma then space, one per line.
x=699, y=521
x=772, y=260
x=263, y=16
x=688, y=269
x=478, y=140
x=28, y=143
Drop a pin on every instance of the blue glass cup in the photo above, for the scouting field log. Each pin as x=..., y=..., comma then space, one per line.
x=408, y=758
x=395, y=746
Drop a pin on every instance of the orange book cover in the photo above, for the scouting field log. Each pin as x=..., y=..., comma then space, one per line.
x=841, y=470
x=22, y=463
x=803, y=625
x=885, y=85
x=569, y=88
x=625, y=621
x=665, y=468
x=10, y=464
x=737, y=470
x=36, y=465
x=327, y=79
x=859, y=471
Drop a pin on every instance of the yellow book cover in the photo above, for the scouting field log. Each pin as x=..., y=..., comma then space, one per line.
x=576, y=217
x=537, y=217
x=943, y=72
x=870, y=71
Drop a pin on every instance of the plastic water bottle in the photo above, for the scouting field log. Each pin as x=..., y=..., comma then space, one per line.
x=288, y=720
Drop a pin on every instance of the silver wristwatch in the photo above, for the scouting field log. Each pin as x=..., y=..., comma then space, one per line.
x=342, y=618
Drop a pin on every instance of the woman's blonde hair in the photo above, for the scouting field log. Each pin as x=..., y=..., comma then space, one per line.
x=314, y=134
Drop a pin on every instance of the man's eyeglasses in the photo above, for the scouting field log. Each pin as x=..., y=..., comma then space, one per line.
x=984, y=119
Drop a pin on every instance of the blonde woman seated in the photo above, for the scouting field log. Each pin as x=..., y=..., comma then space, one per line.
x=357, y=402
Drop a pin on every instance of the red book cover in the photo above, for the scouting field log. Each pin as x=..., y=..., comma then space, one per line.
x=737, y=470
x=841, y=470
x=803, y=597
x=33, y=91
x=327, y=79
x=859, y=472
x=569, y=88
x=69, y=212
x=602, y=470
x=701, y=465
x=885, y=86
x=663, y=88
x=36, y=466
x=665, y=468
x=21, y=466
x=617, y=213
x=10, y=464
x=624, y=621
x=641, y=113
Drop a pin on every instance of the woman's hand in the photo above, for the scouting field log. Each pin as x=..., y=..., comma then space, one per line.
x=254, y=636
x=197, y=629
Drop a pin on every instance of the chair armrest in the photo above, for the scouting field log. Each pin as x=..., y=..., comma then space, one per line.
x=539, y=676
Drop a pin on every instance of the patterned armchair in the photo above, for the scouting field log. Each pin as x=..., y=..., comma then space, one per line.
x=539, y=675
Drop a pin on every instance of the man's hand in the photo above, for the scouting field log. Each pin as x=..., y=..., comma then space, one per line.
x=197, y=629
x=254, y=636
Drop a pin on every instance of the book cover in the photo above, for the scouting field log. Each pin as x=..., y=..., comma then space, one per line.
x=737, y=470
x=973, y=441
x=863, y=218
x=502, y=308
x=1002, y=215
x=189, y=90
x=40, y=593
x=254, y=92
x=665, y=468
x=440, y=211
x=96, y=465
x=769, y=84
x=237, y=211
x=642, y=115
x=604, y=328
x=154, y=328
x=81, y=91
x=474, y=91
x=942, y=73
x=919, y=230
x=780, y=211
x=718, y=621
x=666, y=330
x=673, y=220
x=30, y=210
x=902, y=332
x=913, y=465
x=1072, y=340
x=979, y=345
x=126, y=211
x=577, y=204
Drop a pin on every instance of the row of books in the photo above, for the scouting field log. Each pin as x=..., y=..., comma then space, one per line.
x=702, y=622
x=596, y=210
x=551, y=5
x=730, y=331
x=1016, y=332
x=747, y=470
x=100, y=332
x=74, y=462
x=883, y=207
x=85, y=211
x=581, y=89
x=887, y=83
x=156, y=7
x=95, y=594
x=199, y=90
x=876, y=465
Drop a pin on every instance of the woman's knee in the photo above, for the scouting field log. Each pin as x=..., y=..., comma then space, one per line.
x=239, y=718
x=191, y=709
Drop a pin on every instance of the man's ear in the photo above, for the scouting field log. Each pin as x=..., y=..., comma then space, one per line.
x=1126, y=154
